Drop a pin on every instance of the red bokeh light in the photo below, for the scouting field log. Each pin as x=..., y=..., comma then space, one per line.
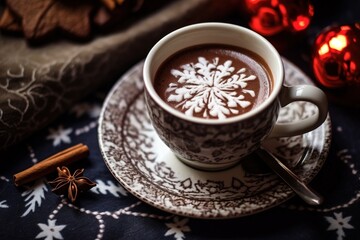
x=336, y=59
x=269, y=17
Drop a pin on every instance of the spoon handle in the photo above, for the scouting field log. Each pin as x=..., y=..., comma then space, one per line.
x=305, y=192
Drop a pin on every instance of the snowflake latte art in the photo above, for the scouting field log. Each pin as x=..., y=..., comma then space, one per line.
x=213, y=81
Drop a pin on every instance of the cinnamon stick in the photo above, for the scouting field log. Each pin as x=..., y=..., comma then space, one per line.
x=50, y=164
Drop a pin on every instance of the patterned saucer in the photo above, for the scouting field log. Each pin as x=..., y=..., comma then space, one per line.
x=144, y=165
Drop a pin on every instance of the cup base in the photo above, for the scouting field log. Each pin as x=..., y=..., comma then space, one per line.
x=205, y=166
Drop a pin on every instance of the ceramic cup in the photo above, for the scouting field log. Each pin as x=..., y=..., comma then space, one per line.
x=213, y=144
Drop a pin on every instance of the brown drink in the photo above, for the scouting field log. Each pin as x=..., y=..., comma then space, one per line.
x=213, y=81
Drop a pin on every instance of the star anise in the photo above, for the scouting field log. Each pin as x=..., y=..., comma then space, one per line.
x=70, y=184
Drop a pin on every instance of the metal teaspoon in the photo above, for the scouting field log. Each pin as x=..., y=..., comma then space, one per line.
x=301, y=189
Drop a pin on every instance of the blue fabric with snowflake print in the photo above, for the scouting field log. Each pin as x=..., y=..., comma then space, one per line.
x=108, y=211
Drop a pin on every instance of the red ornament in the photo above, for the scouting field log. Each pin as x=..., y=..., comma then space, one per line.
x=269, y=17
x=336, y=56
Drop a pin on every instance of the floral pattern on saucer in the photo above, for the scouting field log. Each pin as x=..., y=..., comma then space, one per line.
x=145, y=166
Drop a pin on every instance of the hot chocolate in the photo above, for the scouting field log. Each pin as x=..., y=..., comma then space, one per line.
x=213, y=81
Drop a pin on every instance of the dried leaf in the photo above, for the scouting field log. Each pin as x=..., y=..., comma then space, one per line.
x=9, y=22
x=42, y=17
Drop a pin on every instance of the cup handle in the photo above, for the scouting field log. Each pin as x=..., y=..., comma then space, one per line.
x=301, y=93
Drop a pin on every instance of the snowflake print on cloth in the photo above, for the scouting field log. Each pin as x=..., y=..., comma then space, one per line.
x=178, y=227
x=93, y=110
x=3, y=204
x=211, y=88
x=50, y=231
x=339, y=223
x=60, y=135
x=34, y=196
x=110, y=187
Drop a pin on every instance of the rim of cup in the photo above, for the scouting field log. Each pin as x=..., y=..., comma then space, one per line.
x=275, y=65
